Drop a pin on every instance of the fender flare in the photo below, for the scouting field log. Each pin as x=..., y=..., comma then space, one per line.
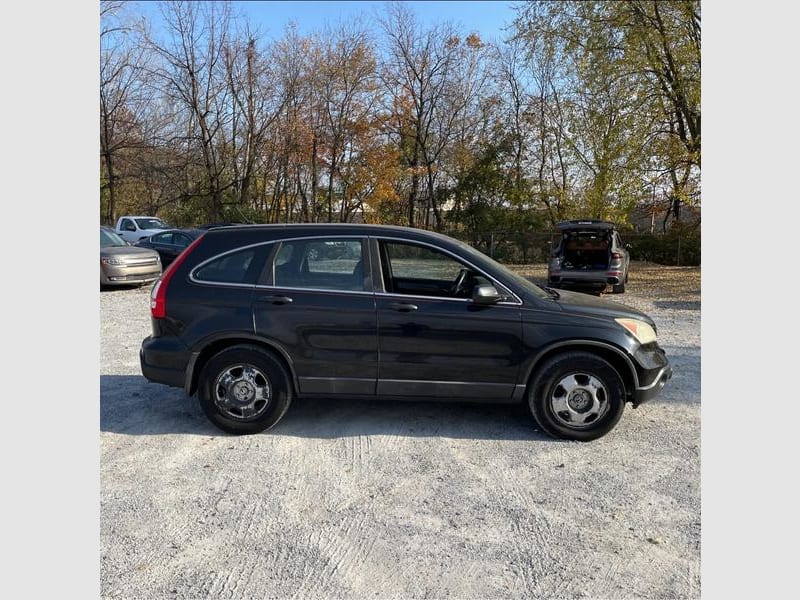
x=189, y=385
x=568, y=344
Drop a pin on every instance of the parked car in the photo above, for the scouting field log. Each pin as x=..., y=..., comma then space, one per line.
x=170, y=243
x=219, y=224
x=124, y=264
x=589, y=256
x=134, y=228
x=250, y=317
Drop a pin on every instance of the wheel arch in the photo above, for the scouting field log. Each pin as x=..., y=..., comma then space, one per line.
x=201, y=357
x=615, y=356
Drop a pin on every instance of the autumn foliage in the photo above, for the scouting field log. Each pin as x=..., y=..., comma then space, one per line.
x=583, y=109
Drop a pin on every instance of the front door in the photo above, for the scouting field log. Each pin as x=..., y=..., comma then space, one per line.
x=433, y=340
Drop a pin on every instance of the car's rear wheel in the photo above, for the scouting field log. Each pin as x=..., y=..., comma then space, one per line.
x=577, y=396
x=618, y=288
x=244, y=389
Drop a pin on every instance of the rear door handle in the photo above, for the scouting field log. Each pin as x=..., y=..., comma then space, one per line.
x=403, y=306
x=276, y=299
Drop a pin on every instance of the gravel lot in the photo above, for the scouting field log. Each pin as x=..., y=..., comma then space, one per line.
x=346, y=499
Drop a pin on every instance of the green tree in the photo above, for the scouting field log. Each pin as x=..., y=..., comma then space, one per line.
x=631, y=94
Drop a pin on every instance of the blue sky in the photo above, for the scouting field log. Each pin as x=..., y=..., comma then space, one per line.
x=486, y=18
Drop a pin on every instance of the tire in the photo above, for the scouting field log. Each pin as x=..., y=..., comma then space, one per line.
x=244, y=389
x=576, y=396
x=618, y=288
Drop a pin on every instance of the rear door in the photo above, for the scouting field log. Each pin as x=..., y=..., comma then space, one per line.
x=317, y=303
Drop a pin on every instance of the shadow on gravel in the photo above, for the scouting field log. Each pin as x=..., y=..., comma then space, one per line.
x=678, y=304
x=131, y=405
x=134, y=406
x=122, y=288
x=350, y=418
x=684, y=387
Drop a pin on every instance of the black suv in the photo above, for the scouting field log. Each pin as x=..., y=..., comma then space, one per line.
x=250, y=317
x=589, y=256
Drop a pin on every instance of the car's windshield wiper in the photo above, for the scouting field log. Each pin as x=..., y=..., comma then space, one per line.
x=551, y=291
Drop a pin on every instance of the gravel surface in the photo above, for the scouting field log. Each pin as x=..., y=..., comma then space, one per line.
x=349, y=499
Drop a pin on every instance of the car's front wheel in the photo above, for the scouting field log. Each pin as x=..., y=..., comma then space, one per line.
x=576, y=396
x=244, y=389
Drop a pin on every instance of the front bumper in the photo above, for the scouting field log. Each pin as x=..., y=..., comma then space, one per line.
x=653, y=371
x=124, y=275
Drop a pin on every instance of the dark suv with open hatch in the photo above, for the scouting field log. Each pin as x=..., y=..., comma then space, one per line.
x=249, y=317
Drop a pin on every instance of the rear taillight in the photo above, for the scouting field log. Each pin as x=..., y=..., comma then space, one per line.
x=158, y=296
x=616, y=255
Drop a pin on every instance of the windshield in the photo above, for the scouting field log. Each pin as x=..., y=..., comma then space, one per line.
x=151, y=223
x=109, y=239
x=519, y=279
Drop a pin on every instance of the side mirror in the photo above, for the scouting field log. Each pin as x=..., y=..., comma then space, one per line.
x=628, y=246
x=486, y=294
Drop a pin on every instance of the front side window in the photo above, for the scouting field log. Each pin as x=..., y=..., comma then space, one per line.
x=423, y=271
x=151, y=223
x=109, y=239
x=322, y=264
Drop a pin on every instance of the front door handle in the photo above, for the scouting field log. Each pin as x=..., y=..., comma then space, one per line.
x=403, y=306
x=276, y=299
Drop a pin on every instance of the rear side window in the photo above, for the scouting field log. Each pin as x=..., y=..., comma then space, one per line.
x=162, y=238
x=240, y=266
x=181, y=240
x=322, y=264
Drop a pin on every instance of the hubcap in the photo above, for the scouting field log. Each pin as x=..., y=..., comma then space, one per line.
x=579, y=400
x=242, y=392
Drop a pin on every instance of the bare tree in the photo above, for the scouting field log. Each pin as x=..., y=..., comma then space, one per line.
x=193, y=76
x=256, y=104
x=301, y=126
x=120, y=71
x=416, y=73
x=345, y=82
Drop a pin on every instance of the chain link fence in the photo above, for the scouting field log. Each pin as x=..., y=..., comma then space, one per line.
x=679, y=247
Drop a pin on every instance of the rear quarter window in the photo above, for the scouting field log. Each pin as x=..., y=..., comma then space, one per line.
x=240, y=266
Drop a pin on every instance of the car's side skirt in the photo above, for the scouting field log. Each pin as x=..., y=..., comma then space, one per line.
x=446, y=389
x=348, y=386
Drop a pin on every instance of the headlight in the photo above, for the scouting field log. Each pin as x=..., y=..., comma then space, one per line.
x=107, y=260
x=640, y=330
